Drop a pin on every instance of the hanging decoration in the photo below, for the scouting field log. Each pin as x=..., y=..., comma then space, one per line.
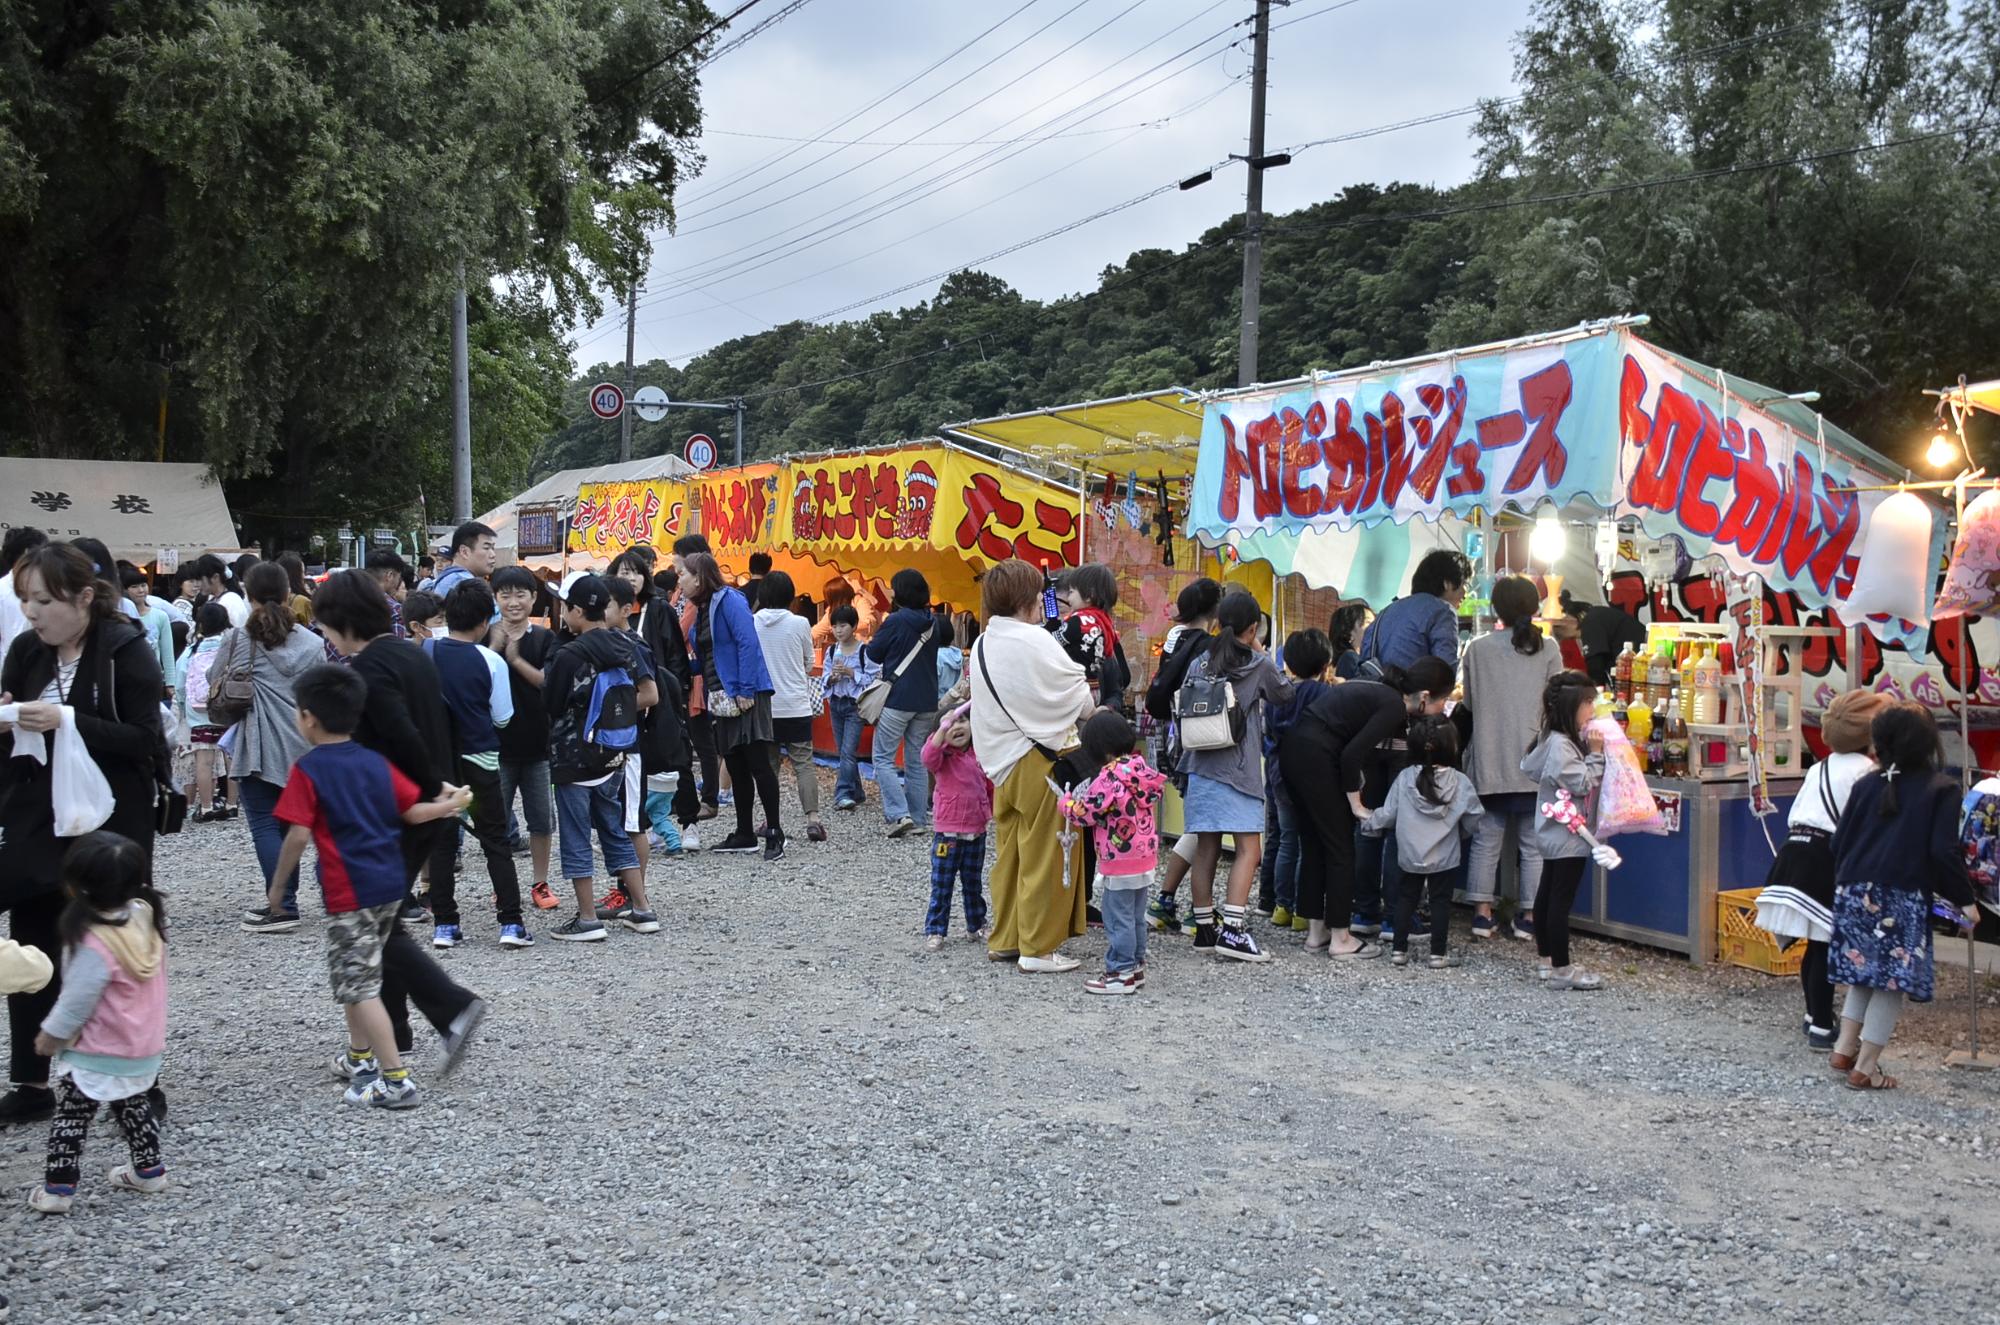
x=1972, y=586
x=1894, y=575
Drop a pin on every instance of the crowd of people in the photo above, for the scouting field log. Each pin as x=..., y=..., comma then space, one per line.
x=1364, y=776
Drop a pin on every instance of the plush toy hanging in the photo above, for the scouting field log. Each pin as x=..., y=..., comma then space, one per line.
x=1895, y=562
x=1972, y=587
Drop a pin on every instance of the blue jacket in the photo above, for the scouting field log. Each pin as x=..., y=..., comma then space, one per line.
x=915, y=689
x=739, y=658
x=1411, y=627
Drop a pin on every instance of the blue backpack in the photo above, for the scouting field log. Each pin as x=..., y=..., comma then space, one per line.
x=612, y=720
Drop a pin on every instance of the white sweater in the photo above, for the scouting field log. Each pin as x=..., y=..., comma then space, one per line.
x=1042, y=694
x=787, y=643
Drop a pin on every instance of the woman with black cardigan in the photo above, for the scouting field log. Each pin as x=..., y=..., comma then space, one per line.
x=81, y=653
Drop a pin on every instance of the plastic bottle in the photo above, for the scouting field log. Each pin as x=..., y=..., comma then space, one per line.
x=1601, y=706
x=1707, y=689
x=1675, y=763
x=1656, y=754
x=1686, y=680
x=1621, y=712
x=1621, y=674
x=1639, y=721
x=1660, y=682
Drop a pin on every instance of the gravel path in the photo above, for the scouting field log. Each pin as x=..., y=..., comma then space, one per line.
x=781, y=1109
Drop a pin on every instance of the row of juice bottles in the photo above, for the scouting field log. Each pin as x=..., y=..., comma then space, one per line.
x=1654, y=696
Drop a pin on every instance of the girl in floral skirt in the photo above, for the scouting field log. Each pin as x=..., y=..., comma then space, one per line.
x=1897, y=846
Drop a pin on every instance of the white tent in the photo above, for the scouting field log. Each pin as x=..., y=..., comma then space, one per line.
x=559, y=489
x=138, y=508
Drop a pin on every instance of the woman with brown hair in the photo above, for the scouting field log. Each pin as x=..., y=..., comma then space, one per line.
x=81, y=661
x=295, y=572
x=738, y=688
x=1027, y=698
x=277, y=652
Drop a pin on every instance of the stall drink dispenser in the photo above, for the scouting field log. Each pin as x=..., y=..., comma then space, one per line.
x=1707, y=689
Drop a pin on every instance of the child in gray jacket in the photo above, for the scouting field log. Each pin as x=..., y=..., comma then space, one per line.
x=1432, y=807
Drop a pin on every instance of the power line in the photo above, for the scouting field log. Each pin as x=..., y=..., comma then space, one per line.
x=932, y=142
x=756, y=30
x=689, y=44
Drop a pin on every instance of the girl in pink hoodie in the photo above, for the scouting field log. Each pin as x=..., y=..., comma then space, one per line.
x=1117, y=806
x=961, y=809
x=109, y=1028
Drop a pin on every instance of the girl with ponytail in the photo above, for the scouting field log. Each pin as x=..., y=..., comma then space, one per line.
x=1896, y=853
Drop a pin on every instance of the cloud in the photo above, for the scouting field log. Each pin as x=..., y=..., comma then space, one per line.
x=747, y=257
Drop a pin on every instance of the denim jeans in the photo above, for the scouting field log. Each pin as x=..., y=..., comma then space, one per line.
x=908, y=795
x=1489, y=839
x=1124, y=926
x=579, y=809
x=847, y=726
x=530, y=777
x=1377, y=874
x=259, y=798
x=1287, y=852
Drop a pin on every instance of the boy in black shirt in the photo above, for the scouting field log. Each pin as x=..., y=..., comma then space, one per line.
x=524, y=742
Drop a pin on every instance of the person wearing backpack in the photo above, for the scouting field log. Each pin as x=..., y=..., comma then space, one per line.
x=1220, y=712
x=1194, y=616
x=593, y=705
x=906, y=645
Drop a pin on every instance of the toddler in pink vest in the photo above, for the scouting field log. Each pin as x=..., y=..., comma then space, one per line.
x=961, y=809
x=108, y=1029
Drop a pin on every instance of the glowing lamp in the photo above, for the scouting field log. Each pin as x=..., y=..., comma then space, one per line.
x=1942, y=453
x=1549, y=540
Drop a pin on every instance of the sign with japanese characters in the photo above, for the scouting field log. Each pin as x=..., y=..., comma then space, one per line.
x=140, y=510
x=1604, y=419
x=611, y=517
x=988, y=514
x=537, y=531
x=885, y=500
x=736, y=508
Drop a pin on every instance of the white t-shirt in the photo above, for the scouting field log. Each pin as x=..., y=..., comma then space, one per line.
x=237, y=606
x=1837, y=774
x=787, y=643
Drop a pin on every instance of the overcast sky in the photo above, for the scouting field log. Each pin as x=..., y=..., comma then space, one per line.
x=774, y=230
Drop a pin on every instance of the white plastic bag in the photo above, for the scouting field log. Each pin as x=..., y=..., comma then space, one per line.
x=82, y=797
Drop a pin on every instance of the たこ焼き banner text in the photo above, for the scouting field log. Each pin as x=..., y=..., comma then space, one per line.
x=1604, y=418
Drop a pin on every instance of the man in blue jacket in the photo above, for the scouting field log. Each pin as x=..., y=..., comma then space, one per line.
x=906, y=645
x=1425, y=620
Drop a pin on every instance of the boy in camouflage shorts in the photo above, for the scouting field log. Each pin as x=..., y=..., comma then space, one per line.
x=350, y=803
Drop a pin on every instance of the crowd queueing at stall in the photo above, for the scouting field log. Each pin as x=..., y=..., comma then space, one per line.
x=1363, y=775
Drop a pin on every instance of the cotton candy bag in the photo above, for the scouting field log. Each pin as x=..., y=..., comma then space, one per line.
x=1624, y=802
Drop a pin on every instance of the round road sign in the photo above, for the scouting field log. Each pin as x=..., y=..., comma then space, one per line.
x=700, y=451
x=606, y=400
x=650, y=403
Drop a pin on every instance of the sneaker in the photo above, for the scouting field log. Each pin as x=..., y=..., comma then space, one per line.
x=1204, y=936
x=227, y=812
x=1300, y=925
x=640, y=922
x=1420, y=928
x=346, y=1069
x=1281, y=917
x=516, y=936
x=1399, y=958
x=1446, y=961
x=815, y=832
x=725, y=798
x=1239, y=945
x=1056, y=963
x=690, y=840
x=269, y=922
x=1114, y=982
x=519, y=848
x=1362, y=927
x=1522, y=927
x=1386, y=935
x=458, y=1036
x=50, y=1201
x=445, y=936
x=1483, y=927
x=1163, y=916
x=25, y=1105
x=903, y=827
x=544, y=897
x=737, y=844
x=1578, y=979
x=1819, y=1041
x=933, y=943
x=128, y=1179
x=846, y=805
x=415, y=913
x=614, y=905
x=1266, y=906
x=579, y=930
x=774, y=848
x=383, y=1093
x=979, y=935
x=655, y=843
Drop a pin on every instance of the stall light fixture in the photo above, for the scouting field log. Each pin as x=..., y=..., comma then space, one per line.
x=1942, y=453
x=1548, y=541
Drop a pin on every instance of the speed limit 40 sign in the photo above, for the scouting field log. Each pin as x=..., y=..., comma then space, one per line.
x=607, y=401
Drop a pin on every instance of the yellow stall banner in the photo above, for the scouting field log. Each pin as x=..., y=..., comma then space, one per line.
x=611, y=517
x=737, y=510
x=887, y=500
x=987, y=514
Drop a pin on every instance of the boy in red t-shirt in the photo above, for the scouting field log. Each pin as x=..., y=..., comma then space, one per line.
x=351, y=804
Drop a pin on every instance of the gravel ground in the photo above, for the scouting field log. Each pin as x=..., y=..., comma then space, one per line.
x=780, y=1108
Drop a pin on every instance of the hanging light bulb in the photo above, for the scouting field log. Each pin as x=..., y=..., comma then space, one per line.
x=1942, y=453
x=1549, y=539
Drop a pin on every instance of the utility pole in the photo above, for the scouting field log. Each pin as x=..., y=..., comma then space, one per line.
x=738, y=403
x=631, y=329
x=461, y=409
x=1253, y=209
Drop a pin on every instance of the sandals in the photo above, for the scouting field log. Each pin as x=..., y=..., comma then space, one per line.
x=1840, y=1062
x=1863, y=1081
x=1360, y=954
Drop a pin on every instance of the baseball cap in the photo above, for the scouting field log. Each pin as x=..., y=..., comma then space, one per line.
x=587, y=593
